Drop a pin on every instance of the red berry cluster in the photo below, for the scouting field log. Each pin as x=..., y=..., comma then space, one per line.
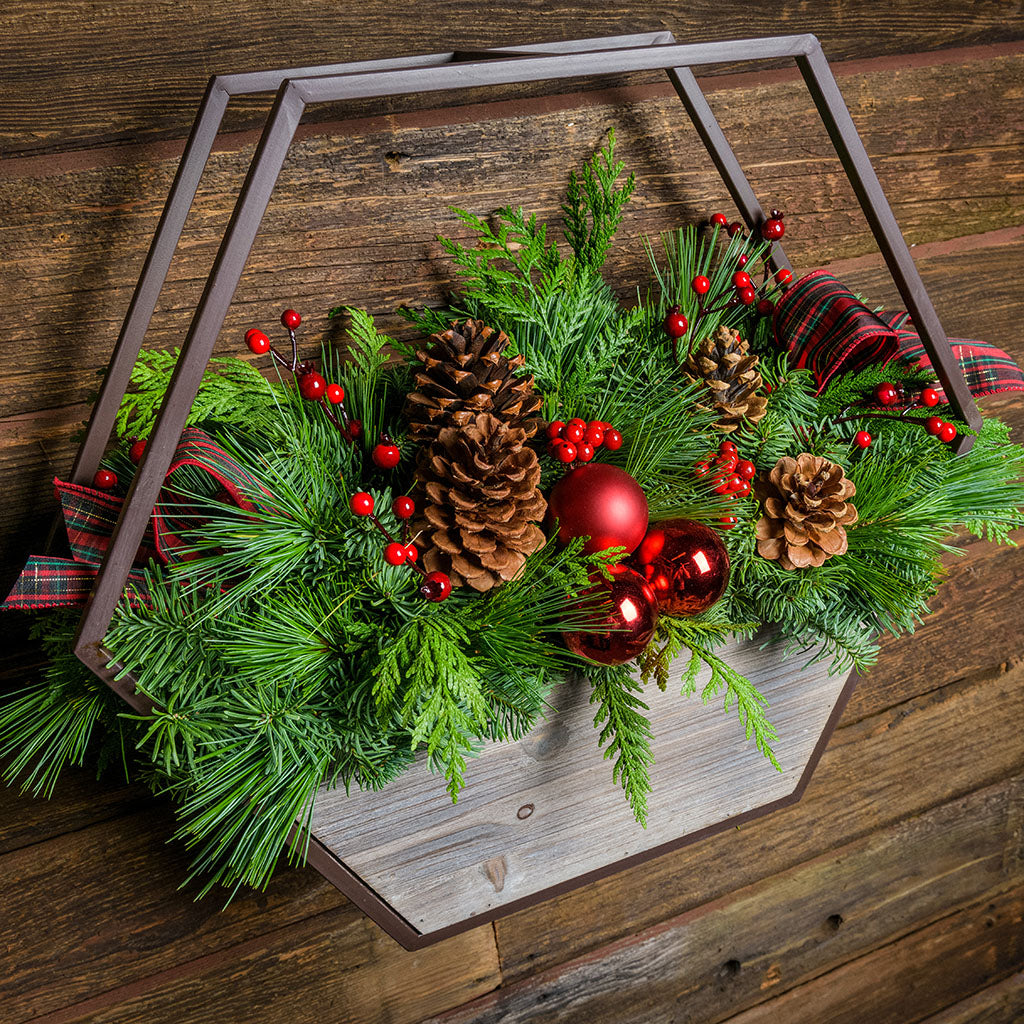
x=895, y=396
x=729, y=475
x=435, y=586
x=312, y=386
x=578, y=440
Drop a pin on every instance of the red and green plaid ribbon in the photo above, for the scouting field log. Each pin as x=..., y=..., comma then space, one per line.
x=91, y=515
x=826, y=329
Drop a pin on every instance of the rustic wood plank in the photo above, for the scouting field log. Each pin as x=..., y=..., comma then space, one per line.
x=542, y=812
x=874, y=772
x=125, y=74
x=1002, y=1003
x=733, y=953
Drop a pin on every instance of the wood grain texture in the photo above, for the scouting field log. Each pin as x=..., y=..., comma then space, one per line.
x=1002, y=1003
x=544, y=811
x=708, y=965
x=136, y=71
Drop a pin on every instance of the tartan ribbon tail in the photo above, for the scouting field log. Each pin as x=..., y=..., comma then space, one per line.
x=63, y=583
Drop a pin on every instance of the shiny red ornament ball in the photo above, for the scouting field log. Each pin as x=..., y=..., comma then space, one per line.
x=436, y=586
x=784, y=276
x=623, y=612
x=766, y=307
x=686, y=563
x=395, y=554
x=335, y=394
x=258, y=342
x=104, y=480
x=734, y=228
x=886, y=394
x=772, y=230
x=930, y=397
x=741, y=279
x=554, y=429
x=862, y=439
x=675, y=323
x=612, y=439
x=136, y=452
x=601, y=502
x=403, y=507
x=386, y=456
x=361, y=503
x=291, y=319
x=746, y=295
x=312, y=387
x=933, y=425
x=719, y=220
x=947, y=433
x=700, y=284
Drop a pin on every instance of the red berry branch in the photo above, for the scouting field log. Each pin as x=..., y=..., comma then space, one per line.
x=730, y=475
x=577, y=441
x=891, y=396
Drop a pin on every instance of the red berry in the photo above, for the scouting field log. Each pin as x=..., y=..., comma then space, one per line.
x=675, y=323
x=784, y=276
x=745, y=470
x=136, y=451
x=555, y=428
x=104, y=480
x=721, y=481
x=727, y=446
x=411, y=554
x=700, y=284
x=728, y=461
x=766, y=307
x=734, y=228
x=743, y=490
x=886, y=394
x=574, y=431
x=436, y=586
x=335, y=394
x=746, y=295
x=584, y=451
x=728, y=522
x=258, y=342
x=741, y=279
x=933, y=425
x=862, y=439
x=947, y=433
x=612, y=439
x=701, y=469
x=386, y=456
x=355, y=428
x=312, y=386
x=594, y=434
x=742, y=260
x=772, y=230
x=736, y=482
x=395, y=554
x=577, y=421
x=719, y=220
x=361, y=503
x=403, y=507
x=565, y=451
x=930, y=397
x=291, y=319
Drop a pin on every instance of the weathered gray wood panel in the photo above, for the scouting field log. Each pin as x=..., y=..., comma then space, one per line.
x=544, y=811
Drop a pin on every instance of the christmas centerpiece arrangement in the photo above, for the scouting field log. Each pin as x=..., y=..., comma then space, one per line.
x=400, y=547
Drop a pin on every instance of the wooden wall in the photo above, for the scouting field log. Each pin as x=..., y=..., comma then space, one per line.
x=894, y=892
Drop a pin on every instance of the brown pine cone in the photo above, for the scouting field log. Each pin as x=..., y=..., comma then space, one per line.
x=806, y=510
x=730, y=372
x=481, y=503
x=465, y=373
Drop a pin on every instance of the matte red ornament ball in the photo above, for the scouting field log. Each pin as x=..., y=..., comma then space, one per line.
x=612, y=439
x=291, y=319
x=104, y=480
x=257, y=341
x=947, y=433
x=395, y=554
x=624, y=614
x=361, y=503
x=930, y=397
x=933, y=425
x=335, y=394
x=386, y=456
x=741, y=279
x=436, y=586
x=312, y=386
x=601, y=502
x=747, y=295
x=686, y=563
x=675, y=323
x=136, y=452
x=719, y=220
x=862, y=439
x=772, y=230
x=700, y=284
x=403, y=507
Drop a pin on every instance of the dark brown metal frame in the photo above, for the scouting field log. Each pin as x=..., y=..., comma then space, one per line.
x=441, y=72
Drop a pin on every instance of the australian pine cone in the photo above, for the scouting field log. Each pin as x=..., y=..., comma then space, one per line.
x=465, y=372
x=481, y=502
x=806, y=511
x=730, y=372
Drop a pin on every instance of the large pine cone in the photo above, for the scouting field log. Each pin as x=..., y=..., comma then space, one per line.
x=729, y=370
x=465, y=373
x=806, y=509
x=481, y=502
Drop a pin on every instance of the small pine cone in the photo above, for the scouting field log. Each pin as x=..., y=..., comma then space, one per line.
x=481, y=503
x=806, y=511
x=466, y=373
x=730, y=371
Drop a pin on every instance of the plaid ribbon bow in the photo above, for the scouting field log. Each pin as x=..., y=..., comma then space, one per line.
x=90, y=517
x=826, y=329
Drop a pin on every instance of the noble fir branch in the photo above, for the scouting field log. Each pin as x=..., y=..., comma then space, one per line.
x=625, y=733
x=593, y=205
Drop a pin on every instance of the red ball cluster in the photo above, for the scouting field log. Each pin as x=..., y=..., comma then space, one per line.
x=728, y=475
x=944, y=431
x=578, y=440
x=889, y=395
